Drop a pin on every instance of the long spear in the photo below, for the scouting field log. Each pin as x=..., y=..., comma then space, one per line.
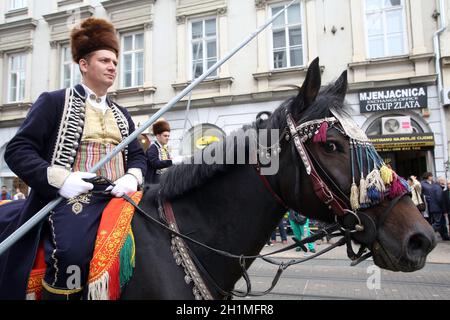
x=38, y=217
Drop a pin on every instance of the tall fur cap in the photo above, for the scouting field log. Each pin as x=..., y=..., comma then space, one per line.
x=160, y=126
x=91, y=35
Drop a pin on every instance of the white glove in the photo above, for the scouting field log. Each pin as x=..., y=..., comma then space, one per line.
x=126, y=184
x=74, y=185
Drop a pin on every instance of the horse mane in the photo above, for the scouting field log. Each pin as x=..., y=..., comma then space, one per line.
x=180, y=179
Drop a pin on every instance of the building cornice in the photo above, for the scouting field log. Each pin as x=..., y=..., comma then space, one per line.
x=64, y=15
x=426, y=80
x=23, y=24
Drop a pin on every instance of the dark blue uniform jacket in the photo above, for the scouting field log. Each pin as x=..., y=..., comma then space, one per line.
x=29, y=155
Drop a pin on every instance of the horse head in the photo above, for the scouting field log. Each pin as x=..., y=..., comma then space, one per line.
x=329, y=170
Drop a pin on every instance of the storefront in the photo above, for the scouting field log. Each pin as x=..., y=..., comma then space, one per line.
x=398, y=124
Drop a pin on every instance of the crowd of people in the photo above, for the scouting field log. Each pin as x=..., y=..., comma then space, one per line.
x=6, y=195
x=432, y=198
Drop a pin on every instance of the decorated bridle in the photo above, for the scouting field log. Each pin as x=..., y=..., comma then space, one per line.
x=377, y=180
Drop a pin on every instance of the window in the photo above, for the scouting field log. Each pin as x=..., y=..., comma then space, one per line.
x=133, y=60
x=70, y=72
x=203, y=46
x=386, y=29
x=16, y=78
x=287, y=37
x=17, y=4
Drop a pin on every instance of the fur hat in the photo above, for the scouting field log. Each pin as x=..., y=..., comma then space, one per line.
x=91, y=35
x=160, y=126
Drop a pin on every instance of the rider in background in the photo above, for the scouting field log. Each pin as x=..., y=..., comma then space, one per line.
x=158, y=157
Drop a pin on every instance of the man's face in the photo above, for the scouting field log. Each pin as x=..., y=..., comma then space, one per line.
x=100, y=68
x=3, y=189
x=163, y=138
x=430, y=178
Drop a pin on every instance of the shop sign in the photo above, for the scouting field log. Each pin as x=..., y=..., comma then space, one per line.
x=393, y=98
x=403, y=142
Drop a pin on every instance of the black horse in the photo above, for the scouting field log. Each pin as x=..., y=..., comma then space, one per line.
x=230, y=207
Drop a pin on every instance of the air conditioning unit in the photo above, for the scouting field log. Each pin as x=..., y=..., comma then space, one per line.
x=445, y=95
x=396, y=125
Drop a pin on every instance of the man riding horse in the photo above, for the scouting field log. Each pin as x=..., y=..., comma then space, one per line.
x=65, y=133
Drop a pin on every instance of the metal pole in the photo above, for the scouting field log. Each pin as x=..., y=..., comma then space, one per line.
x=33, y=221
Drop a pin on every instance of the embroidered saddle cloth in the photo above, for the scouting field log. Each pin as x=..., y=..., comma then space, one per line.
x=112, y=264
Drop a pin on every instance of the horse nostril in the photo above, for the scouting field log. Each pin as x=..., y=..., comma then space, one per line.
x=418, y=245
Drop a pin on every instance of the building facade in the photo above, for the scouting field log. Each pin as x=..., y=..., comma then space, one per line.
x=399, y=76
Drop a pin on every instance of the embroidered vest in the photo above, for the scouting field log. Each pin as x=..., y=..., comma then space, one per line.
x=72, y=125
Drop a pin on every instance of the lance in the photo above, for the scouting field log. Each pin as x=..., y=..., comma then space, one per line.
x=38, y=217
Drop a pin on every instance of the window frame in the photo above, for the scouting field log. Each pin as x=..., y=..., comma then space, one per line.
x=23, y=74
x=286, y=27
x=12, y=5
x=74, y=68
x=204, y=40
x=383, y=11
x=133, y=53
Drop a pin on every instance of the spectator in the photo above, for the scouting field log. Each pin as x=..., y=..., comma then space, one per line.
x=19, y=195
x=5, y=194
x=435, y=200
x=300, y=227
x=442, y=182
x=417, y=197
x=447, y=204
x=283, y=234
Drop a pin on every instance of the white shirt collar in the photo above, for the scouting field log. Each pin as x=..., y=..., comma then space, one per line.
x=89, y=96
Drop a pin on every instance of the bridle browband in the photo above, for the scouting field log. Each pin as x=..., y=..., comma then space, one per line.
x=299, y=134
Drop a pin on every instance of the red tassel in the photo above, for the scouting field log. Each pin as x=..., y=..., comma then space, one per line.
x=114, y=281
x=397, y=188
x=321, y=136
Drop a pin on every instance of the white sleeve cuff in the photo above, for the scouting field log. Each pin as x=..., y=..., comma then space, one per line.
x=137, y=173
x=57, y=175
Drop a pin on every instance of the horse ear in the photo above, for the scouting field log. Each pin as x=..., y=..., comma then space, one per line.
x=310, y=88
x=340, y=86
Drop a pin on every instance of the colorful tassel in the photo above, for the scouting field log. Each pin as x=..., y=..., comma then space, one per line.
x=374, y=180
x=126, y=261
x=374, y=195
x=363, y=199
x=354, y=197
x=397, y=188
x=321, y=136
x=114, y=281
x=386, y=174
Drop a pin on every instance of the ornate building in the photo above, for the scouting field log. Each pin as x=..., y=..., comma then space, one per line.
x=397, y=91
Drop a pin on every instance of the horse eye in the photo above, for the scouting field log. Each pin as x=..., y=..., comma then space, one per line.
x=330, y=147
